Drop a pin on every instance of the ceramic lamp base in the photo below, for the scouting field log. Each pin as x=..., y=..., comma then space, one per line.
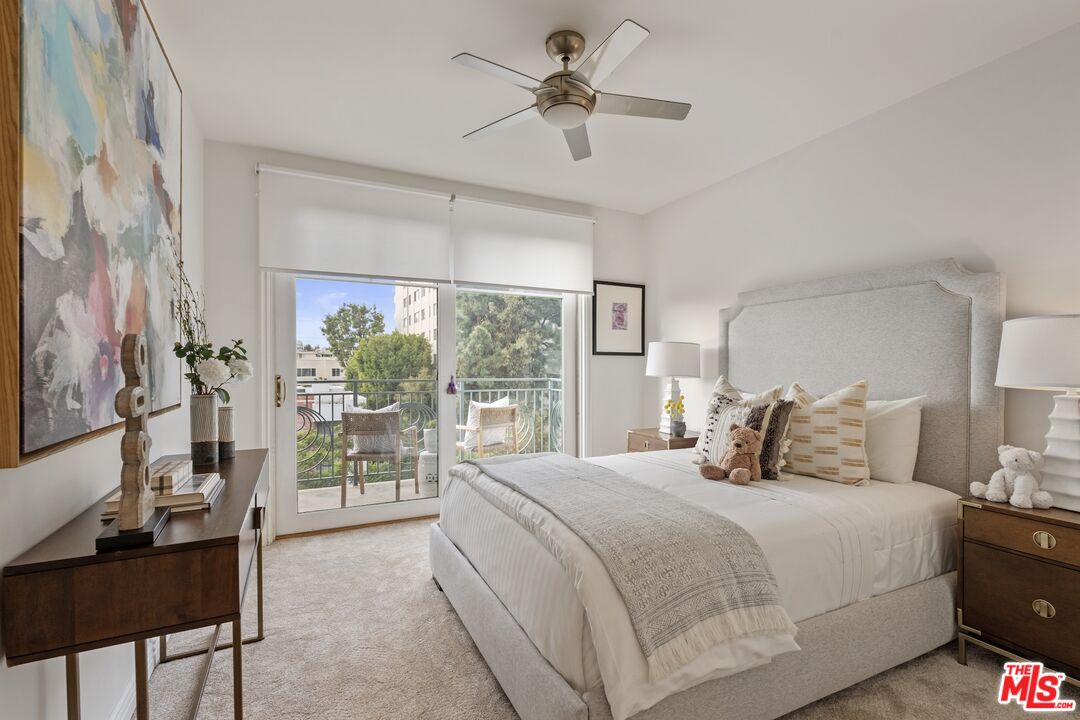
x=673, y=393
x=1061, y=472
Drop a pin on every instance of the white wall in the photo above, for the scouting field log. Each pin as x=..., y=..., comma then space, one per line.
x=615, y=382
x=232, y=274
x=984, y=168
x=39, y=498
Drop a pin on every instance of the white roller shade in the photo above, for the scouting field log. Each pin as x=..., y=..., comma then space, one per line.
x=313, y=223
x=520, y=248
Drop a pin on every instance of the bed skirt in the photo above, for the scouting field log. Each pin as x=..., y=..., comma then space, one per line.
x=839, y=649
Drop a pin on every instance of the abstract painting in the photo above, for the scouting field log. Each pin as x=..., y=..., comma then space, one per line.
x=618, y=318
x=100, y=212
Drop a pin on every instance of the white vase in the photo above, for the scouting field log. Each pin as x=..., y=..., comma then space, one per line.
x=204, y=430
x=226, y=433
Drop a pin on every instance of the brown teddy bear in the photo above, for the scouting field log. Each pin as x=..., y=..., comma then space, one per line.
x=741, y=463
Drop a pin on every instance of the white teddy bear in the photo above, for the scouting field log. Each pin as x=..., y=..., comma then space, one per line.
x=1017, y=481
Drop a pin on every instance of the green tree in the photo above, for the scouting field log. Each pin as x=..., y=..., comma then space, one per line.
x=502, y=335
x=345, y=328
x=393, y=356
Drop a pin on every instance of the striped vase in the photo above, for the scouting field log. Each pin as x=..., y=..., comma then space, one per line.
x=204, y=431
x=225, y=434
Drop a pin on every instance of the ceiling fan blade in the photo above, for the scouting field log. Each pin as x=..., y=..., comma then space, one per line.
x=578, y=140
x=509, y=121
x=605, y=58
x=641, y=107
x=505, y=74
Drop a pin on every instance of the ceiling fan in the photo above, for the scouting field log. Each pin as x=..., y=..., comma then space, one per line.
x=567, y=98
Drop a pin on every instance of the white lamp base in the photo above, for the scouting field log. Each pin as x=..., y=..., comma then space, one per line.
x=674, y=392
x=1061, y=472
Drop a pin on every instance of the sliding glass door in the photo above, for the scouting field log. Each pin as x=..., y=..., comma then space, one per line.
x=510, y=353
x=357, y=428
x=367, y=420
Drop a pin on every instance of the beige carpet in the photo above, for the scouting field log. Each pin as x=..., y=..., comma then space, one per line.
x=356, y=629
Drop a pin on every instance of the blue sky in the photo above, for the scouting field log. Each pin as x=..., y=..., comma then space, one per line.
x=315, y=299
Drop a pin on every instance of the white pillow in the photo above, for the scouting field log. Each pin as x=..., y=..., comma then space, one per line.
x=892, y=438
x=723, y=387
x=491, y=437
x=373, y=443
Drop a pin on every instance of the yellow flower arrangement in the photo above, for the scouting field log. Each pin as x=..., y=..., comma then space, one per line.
x=676, y=408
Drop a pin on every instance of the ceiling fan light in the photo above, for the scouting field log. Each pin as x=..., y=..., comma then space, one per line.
x=566, y=116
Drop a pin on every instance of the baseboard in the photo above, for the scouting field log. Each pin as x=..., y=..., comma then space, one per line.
x=125, y=708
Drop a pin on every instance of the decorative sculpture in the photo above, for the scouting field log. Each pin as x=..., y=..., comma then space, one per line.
x=133, y=404
x=137, y=522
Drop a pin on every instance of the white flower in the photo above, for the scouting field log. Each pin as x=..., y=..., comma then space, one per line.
x=241, y=369
x=212, y=372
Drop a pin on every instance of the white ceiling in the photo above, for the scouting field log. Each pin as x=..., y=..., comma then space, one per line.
x=370, y=81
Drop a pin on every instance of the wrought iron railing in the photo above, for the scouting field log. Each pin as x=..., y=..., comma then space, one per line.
x=319, y=405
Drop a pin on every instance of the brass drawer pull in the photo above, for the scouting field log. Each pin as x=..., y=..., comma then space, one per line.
x=1043, y=609
x=1044, y=539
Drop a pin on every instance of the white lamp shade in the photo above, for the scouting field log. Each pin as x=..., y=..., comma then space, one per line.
x=673, y=359
x=1040, y=353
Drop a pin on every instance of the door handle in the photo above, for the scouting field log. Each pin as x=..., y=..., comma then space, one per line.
x=279, y=391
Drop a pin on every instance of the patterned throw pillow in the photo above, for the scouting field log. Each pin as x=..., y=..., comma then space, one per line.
x=828, y=436
x=726, y=406
x=772, y=421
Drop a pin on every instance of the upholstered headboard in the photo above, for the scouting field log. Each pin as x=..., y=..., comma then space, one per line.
x=930, y=329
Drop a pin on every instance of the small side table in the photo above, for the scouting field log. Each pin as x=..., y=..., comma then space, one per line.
x=648, y=439
x=1019, y=583
x=428, y=468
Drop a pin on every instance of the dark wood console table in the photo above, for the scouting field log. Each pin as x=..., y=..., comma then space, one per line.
x=62, y=597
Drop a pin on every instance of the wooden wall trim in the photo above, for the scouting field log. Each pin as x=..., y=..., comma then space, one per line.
x=11, y=454
x=10, y=201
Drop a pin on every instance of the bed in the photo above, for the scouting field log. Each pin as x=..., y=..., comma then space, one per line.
x=866, y=573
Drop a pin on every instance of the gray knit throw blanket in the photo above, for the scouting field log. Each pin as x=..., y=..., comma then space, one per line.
x=690, y=579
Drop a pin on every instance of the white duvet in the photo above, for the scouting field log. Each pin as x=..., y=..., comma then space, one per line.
x=829, y=545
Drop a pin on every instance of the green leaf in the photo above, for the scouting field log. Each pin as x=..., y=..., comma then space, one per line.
x=223, y=394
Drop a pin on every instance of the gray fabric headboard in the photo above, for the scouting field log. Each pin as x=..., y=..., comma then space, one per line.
x=930, y=329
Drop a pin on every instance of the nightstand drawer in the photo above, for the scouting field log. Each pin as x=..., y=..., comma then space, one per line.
x=1026, y=535
x=1022, y=601
x=638, y=443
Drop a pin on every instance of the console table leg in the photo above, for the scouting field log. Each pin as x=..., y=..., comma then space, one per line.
x=238, y=670
x=142, y=693
x=71, y=663
x=259, y=582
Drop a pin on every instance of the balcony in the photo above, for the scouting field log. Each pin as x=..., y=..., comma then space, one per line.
x=320, y=404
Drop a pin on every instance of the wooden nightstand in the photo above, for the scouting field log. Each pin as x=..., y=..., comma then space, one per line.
x=1019, y=583
x=646, y=439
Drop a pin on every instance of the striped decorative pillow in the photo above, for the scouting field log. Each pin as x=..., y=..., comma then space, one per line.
x=726, y=406
x=772, y=422
x=828, y=436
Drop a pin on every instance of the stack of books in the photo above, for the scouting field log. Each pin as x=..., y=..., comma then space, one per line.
x=169, y=472
x=175, y=486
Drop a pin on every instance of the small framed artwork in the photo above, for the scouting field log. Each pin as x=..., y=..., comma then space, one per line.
x=618, y=318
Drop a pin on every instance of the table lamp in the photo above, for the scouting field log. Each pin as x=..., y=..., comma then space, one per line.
x=1043, y=353
x=674, y=360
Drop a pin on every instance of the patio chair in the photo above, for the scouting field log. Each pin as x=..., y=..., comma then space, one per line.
x=490, y=419
x=376, y=436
